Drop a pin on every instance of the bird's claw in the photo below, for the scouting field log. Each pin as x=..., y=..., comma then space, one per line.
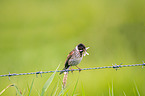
x=80, y=69
x=72, y=71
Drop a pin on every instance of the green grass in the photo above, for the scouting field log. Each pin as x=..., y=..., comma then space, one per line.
x=83, y=91
x=18, y=91
x=37, y=35
x=137, y=90
x=124, y=93
x=31, y=88
x=75, y=87
x=59, y=91
x=111, y=91
x=48, y=82
x=6, y=88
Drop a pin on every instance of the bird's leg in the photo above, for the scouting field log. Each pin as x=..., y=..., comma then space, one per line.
x=71, y=69
x=78, y=68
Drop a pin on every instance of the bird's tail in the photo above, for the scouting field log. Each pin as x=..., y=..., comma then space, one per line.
x=63, y=69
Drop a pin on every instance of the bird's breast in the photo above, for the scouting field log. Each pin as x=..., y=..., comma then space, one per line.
x=75, y=61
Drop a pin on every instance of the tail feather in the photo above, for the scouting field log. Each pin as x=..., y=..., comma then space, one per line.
x=63, y=69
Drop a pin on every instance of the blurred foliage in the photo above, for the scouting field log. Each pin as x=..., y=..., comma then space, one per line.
x=37, y=35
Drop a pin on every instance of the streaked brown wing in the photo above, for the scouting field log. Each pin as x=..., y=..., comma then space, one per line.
x=68, y=57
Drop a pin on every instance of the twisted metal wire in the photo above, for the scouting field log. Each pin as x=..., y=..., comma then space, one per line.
x=105, y=67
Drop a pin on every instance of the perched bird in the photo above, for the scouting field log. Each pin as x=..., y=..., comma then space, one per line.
x=75, y=57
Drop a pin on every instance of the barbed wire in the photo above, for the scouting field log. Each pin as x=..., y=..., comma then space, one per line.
x=105, y=67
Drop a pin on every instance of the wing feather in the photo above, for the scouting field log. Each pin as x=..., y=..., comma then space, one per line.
x=68, y=57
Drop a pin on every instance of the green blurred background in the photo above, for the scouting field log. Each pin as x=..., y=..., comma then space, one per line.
x=37, y=35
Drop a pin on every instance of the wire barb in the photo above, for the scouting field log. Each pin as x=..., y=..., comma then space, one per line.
x=40, y=72
x=105, y=67
x=9, y=75
x=116, y=67
x=143, y=64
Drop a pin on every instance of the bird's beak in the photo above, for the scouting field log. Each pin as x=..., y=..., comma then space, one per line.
x=85, y=51
x=87, y=48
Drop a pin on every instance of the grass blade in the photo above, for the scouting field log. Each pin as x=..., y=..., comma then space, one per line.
x=48, y=82
x=63, y=92
x=136, y=89
x=112, y=89
x=31, y=87
x=5, y=89
x=56, y=89
x=83, y=91
x=124, y=93
x=75, y=87
x=109, y=89
x=19, y=92
x=109, y=92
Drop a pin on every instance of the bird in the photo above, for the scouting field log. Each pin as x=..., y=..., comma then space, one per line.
x=75, y=57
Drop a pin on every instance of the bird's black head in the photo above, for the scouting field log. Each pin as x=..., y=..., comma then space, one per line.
x=81, y=47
